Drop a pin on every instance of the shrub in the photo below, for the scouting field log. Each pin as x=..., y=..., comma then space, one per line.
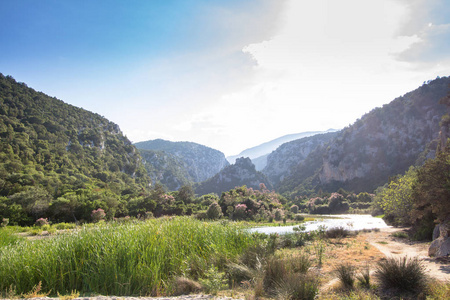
x=185, y=286
x=299, y=218
x=400, y=234
x=294, y=209
x=240, y=212
x=299, y=286
x=337, y=232
x=214, y=211
x=364, y=277
x=278, y=215
x=288, y=278
x=405, y=275
x=97, y=215
x=201, y=215
x=238, y=273
x=346, y=275
x=213, y=281
x=41, y=222
x=4, y=223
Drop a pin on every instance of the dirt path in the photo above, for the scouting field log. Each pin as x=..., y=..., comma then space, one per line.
x=400, y=247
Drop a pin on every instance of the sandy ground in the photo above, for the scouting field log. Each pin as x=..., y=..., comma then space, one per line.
x=399, y=247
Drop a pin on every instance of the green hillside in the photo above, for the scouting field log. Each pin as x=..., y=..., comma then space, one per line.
x=54, y=156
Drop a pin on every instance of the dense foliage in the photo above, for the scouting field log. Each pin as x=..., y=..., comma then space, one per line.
x=248, y=204
x=61, y=161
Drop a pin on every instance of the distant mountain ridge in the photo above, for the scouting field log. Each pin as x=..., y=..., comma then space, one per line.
x=258, y=154
x=179, y=163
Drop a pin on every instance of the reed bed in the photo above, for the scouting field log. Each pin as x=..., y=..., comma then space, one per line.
x=140, y=258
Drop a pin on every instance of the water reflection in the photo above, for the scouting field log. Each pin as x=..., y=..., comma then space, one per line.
x=351, y=222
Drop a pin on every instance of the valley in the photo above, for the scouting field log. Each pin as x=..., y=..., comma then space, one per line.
x=168, y=218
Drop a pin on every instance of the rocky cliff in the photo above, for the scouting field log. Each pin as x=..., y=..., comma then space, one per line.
x=241, y=173
x=199, y=161
x=166, y=169
x=281, y=161
x=383, y=143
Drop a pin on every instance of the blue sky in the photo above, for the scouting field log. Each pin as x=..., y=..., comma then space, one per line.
x=228, y=74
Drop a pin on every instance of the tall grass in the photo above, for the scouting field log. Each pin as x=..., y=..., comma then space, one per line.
x=403, y=274
x=125, y=259
x=8, y=238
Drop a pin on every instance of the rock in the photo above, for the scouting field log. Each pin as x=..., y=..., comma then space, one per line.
x=439, y=247
x=441, y=241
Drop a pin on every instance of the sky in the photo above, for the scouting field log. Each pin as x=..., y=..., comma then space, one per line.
x=228, y=74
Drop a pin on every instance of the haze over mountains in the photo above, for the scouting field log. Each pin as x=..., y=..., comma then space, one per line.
x=45, y=139
x=258, y=154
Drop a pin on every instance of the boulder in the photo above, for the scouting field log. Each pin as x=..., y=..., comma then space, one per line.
x=440, y=246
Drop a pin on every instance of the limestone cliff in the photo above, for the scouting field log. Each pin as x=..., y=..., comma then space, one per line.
x=383, y=143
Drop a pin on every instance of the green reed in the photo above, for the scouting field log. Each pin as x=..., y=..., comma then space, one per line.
x=138, y=258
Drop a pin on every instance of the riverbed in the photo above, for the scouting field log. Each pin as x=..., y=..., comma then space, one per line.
x=350, y=222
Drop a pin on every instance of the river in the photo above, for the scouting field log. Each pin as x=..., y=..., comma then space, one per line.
x=351, y=222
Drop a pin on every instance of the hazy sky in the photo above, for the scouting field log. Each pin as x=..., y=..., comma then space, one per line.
x=229, y=74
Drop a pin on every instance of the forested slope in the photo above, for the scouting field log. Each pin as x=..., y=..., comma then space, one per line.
x=54, y=151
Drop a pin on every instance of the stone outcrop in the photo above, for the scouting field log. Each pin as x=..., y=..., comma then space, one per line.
x=440, y=246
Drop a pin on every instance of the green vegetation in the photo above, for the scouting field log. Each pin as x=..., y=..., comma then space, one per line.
x=122, y=259
x=60, y=161
x=402, y=275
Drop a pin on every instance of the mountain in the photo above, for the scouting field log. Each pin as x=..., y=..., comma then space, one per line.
x=242, y=172
x=166, y=165
x=280, y=162
x=258, y=154
x=383, y=143
x=53, y=149
x=166, y=169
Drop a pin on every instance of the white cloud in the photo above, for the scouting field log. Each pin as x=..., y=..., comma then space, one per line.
x=328, y=64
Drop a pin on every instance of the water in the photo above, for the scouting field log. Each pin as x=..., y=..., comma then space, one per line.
x=351, y=222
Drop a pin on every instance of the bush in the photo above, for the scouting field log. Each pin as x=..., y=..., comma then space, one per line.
x=337, y=232
x=299, y=218
x=238, y=273
x=294, y=209
x=364, y=277
x=346, y=275
x=41, y=222
x=214, y=211
x=299, y=286
x=97, y=215
x=4, y=223
x=288, y=278
x=405, y=275
x=213, y=281
x=185, y=286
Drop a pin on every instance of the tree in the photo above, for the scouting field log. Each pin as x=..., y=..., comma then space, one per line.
x=431, y=194
x=214, y=211
x=186, y=194
x=396, y=199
